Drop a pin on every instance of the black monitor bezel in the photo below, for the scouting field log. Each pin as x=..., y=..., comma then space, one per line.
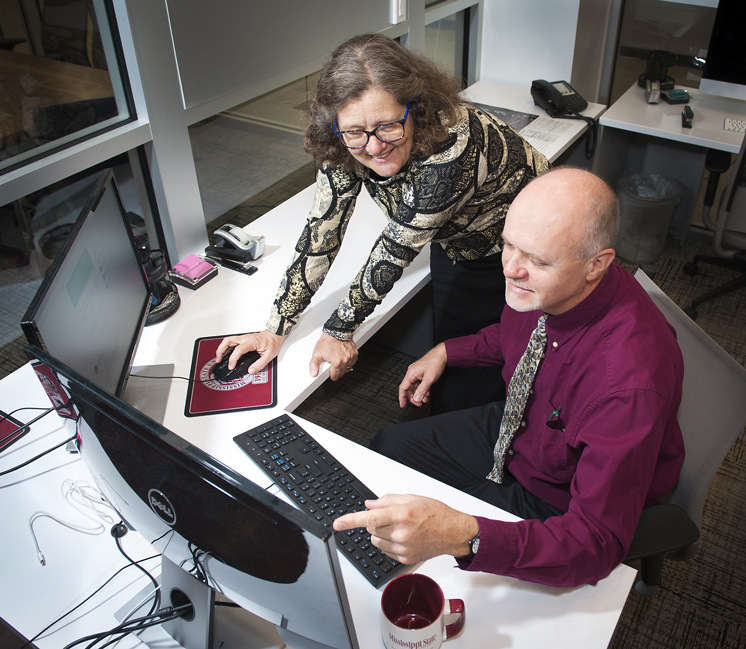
x=28, y=322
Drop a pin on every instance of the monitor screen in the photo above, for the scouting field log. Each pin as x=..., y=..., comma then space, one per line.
x=724, y=73
x=267, y=556
x=90, y=309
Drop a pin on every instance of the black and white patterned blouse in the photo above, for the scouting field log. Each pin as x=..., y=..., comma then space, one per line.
x=458, y=197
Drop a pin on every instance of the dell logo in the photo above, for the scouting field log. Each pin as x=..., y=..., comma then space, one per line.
x=162, y=506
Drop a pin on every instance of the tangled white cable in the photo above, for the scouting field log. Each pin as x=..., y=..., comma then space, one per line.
x=85, y=499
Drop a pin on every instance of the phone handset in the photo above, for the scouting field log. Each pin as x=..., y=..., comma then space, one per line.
x=557, y=98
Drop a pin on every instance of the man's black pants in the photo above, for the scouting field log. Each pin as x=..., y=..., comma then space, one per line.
x=456, y=448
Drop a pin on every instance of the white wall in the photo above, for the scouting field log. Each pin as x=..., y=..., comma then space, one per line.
x=225, y=45
x=524, y=40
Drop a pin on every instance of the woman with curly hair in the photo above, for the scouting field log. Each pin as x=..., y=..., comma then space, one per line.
x=444, y=172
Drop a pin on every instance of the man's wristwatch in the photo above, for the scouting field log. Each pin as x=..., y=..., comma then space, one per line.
x=474, y=545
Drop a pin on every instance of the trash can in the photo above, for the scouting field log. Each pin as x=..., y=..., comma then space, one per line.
x=647, y=203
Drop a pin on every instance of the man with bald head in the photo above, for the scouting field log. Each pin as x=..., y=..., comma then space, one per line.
x=588, y=435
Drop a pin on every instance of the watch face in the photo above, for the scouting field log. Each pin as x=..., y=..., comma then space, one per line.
x=475, y=544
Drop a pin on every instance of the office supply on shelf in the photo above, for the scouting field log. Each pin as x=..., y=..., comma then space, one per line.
x=247, y=268
x=735, y=125
x=687, y=115
x=319, y=485
x=677, y=96
x=193, y=272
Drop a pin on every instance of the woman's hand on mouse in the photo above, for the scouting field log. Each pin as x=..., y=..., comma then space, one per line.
x=340, y=354
x=265, y=342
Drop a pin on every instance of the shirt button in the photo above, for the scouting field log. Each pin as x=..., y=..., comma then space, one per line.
x=510, y=451
x=554, y=344
x=523, y=424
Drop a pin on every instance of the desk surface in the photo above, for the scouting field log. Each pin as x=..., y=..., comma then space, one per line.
x=631, y=112
x=552, y=137
x=502, y=611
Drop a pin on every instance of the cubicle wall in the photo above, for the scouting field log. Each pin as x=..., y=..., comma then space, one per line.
x=224, y=46
x=530, y=39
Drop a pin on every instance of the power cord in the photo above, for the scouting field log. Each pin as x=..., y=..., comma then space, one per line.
x=33, y=459
x=181, y=378
x=24, y=428
x=133, y=626
x=592, y=134
x=93, y=594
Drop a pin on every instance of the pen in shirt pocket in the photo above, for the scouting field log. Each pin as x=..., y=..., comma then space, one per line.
x=554, y=420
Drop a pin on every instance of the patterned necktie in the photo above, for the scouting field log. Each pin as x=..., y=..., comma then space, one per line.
x=518, y=391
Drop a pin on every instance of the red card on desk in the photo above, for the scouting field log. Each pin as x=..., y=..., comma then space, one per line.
x=210, y=396
x=11, y=430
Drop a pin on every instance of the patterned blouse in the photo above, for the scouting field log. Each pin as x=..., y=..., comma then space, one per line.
x=458, y=197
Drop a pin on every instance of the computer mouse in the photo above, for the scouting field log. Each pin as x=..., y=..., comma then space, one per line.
x=224, y=375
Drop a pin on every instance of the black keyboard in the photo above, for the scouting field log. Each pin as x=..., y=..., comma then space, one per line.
x=319, y=485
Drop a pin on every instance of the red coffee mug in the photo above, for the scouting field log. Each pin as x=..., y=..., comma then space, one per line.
x=413, y=611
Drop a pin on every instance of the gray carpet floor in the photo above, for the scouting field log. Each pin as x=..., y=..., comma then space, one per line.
x=700, y=604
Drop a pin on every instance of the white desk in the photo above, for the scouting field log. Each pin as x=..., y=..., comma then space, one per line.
x=502, y=611
x=638, y=137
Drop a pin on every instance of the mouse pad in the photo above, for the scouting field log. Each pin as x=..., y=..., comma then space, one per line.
x=209, y=396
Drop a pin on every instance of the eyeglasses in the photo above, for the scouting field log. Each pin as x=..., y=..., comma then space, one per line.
x=358, y=138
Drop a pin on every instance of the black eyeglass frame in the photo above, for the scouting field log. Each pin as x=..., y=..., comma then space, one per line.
x=341, y=134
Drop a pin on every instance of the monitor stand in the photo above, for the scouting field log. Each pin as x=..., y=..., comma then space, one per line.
x=149, y=395
x=211, y=626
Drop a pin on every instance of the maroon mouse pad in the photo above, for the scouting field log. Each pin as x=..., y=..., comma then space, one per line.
x=208, y=396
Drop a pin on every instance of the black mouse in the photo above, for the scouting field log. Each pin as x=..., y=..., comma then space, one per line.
x=224, y=375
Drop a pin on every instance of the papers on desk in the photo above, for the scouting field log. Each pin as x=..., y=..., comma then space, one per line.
x=543, y=132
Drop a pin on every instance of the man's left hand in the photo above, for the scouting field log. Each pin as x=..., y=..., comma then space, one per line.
x=413, y=528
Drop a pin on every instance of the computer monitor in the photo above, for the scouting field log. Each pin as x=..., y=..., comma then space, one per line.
x=91, y=307
x=266, y=556
x=724, y=72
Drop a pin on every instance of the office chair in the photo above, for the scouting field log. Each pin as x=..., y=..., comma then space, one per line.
x=712, y=415
x=729, y=238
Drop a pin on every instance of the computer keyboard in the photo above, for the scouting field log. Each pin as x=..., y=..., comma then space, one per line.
x=319, y=485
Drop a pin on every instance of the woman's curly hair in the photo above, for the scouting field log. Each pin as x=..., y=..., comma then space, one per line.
x=373, y=60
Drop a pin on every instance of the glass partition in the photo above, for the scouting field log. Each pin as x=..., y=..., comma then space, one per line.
x=62, y=76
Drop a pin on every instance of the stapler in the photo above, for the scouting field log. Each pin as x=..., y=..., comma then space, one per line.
x=687, y=115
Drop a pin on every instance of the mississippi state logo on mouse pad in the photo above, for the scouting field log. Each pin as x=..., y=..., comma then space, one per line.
x=208, y=396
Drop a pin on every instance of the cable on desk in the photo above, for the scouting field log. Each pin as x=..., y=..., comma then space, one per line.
x=181, y=378
x=138, y=624
x=118, y=531
x=33, y=459
x=28, y=425
x=93, y=594
x=13, y=412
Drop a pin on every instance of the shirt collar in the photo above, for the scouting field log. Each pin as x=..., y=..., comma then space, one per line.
x=563, y=327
